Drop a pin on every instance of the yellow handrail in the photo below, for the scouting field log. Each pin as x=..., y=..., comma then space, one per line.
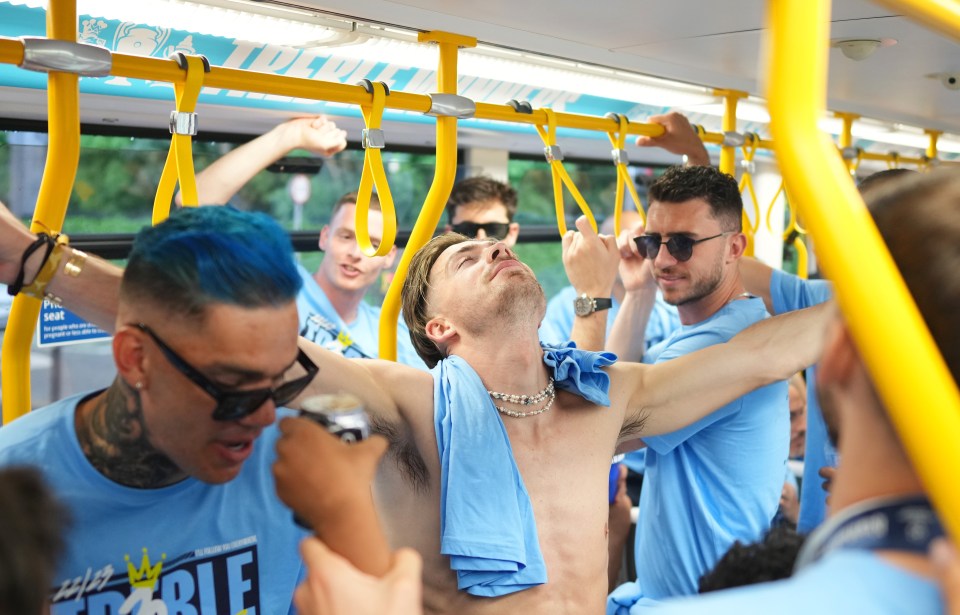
x=443, y=178
x=871, y=297
x=179, y=163
x=59, y=173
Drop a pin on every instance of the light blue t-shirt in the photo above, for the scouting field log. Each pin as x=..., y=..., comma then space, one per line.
x=790, y=292
x=212, y=548
x=842, y=583
x=558, y=321
x=320, y=323
x=716, y=481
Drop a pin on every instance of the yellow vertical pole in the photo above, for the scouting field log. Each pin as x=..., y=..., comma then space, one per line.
x=870, y=297
x=728, y=163
x=63, y=154
x=444, y=175
x=934, y=135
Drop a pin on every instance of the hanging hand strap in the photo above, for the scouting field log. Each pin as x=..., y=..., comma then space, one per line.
x=183, y=125
x=746, y=182
x=554, y=156
x=374, y=175
x=792, y=226
x=618, y=140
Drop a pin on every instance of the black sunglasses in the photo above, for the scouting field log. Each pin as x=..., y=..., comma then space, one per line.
x=234, y=405
x=679, y=246
x=496, y=230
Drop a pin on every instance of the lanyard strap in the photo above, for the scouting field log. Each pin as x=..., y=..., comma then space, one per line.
x=554, y=156
x=341, y=336
x=374, y=175
x=183, y=125
x=899, y=524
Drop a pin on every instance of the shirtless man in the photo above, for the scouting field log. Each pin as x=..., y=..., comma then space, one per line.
x=474, y=300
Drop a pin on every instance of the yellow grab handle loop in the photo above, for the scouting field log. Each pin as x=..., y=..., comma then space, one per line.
x=746, y=183
x=374, y=175
x=773, y=202
x=792, y=226
x=618, y=141
x=559, y=174
x=179, y=163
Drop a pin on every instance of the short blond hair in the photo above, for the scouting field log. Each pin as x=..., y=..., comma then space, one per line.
x=413, y=296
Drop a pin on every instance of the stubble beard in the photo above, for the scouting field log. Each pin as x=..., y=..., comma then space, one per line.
x=700, y=289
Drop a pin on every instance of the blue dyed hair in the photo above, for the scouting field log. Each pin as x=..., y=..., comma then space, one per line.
x=204, y=255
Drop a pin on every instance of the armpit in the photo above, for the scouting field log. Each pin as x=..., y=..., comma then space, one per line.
x=404, y=454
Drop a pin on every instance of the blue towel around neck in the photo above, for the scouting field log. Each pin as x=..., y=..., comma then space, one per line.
x=487, y=525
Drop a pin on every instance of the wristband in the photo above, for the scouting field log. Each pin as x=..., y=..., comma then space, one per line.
x=37, y=289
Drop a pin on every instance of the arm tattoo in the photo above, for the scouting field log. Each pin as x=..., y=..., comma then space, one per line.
x=113, y=437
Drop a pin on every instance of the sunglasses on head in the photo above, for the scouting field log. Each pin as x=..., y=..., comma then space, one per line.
x=234, y=405
x=496, y=230
x=679, y=246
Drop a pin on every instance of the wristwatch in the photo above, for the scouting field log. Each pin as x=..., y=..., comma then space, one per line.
x=584, y=305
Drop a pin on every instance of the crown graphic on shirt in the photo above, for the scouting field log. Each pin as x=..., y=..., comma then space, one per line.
x=147, y=575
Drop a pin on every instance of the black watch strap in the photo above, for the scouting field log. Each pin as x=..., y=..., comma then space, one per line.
x=602, y=303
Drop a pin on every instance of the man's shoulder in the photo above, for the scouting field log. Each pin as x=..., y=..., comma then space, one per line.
x=23, y=435
x=844, y=582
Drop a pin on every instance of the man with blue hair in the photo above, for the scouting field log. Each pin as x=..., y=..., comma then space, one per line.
x=166, y=473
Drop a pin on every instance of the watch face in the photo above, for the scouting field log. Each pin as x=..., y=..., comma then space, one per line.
x=583, y=306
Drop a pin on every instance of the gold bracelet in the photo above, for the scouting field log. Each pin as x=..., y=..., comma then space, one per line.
x=75, y=263
x=37, y=288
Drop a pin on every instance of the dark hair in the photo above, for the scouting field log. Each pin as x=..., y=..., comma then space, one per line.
x=719, y=190
x=919, y=219
x=350, y=198
x=31, y=540
x=768, y=560
x=882, y=178
x=481, y=190
x=413, y=295
x=204, y=255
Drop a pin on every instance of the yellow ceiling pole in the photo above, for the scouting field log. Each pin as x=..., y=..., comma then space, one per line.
x=60, y=171
x=728, y=161
x=443, y=178
x=871, y=297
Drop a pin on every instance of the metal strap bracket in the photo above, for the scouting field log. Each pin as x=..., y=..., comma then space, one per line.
x=850, y=153
x=733, y=139
x=373, y=138
x=451, y=105
x=182, y=123
x=620, y=156
x=45, y=55
x=553, y=153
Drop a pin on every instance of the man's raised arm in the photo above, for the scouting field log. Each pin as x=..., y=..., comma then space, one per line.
x=88, y=285
x=217, y=183
x=590, y=261
x=671, y=395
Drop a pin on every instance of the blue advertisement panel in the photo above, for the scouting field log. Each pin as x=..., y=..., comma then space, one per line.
x=58, y=326
x=315, y=63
